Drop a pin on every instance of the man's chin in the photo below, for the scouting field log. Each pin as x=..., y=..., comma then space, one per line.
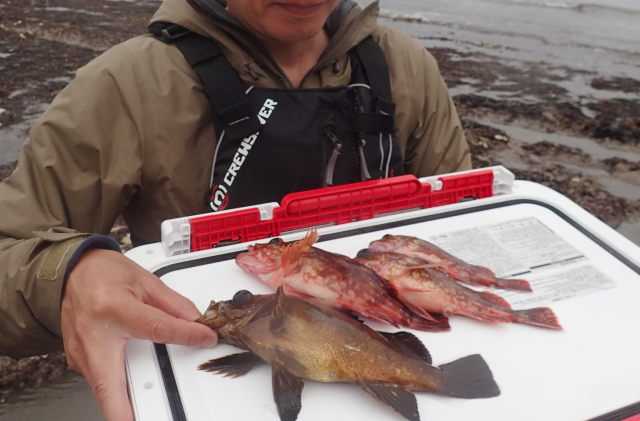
x=292, y=34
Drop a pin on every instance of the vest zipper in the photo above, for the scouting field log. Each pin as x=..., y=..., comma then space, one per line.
x=337, y=146
x=361, y=142
x=364, y=171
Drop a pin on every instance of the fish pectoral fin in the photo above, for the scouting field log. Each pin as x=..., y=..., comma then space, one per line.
x=419, y=311
x=233, y=365
x=409, y=344
x=401, y=400
x=291, y=363
x=287, y=391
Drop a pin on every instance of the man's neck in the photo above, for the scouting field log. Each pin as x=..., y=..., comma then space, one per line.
x=297, y=59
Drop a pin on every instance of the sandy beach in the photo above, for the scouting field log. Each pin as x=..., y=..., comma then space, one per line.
x=558, y=108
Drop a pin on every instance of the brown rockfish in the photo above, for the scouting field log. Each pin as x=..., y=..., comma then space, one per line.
x=333, y=280
x=425, y=288
x=455, y=268
x=302, y=340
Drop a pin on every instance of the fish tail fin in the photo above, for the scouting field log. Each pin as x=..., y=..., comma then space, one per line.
x=292, y=252
x=539, y=316
x=469, y=378
x=515, y=284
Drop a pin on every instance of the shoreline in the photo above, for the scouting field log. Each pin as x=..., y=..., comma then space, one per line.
x=535, y=118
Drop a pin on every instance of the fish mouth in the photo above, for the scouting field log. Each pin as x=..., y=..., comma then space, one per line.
x=381, y=246
x=255, y=266
x=214, y=317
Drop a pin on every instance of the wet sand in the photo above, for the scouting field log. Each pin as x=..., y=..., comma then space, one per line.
x=576, y=130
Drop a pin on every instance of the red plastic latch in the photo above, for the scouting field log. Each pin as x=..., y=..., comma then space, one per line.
x=338, y=205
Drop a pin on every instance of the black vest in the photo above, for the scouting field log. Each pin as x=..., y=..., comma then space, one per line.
x=273, y=142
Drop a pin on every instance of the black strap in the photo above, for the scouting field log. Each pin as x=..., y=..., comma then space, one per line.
x=377, y=123
x=220, y=82
x=369, y=66
x=375, y=67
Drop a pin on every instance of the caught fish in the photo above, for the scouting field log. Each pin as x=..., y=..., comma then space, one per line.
x=423, y=288
x=457, y=269
x=302, y=340
x=333, y=280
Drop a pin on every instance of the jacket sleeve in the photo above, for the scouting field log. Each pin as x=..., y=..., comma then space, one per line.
x=77, y=170
x=429, y=129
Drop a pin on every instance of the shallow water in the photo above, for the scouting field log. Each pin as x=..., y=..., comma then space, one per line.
x=586, y=145
x=601, y=36
x=67, y=398
x=11, y=137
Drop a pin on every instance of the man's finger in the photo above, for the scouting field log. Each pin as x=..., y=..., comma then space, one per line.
x=157, y=326
x=108, y=380
x=171, y=302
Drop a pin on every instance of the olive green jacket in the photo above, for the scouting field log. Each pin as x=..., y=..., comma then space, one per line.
x=132, y=134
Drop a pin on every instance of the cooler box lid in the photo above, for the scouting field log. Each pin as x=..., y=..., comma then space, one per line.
x=584, y=270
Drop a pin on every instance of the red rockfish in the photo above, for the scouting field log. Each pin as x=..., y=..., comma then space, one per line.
x=457, y=269
x=428, y=289
x=332, y=280
x=302, y=340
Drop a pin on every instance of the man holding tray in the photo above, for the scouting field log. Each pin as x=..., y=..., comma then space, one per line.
x=223, y=105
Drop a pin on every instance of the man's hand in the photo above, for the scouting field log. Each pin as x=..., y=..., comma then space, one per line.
x=108, y=299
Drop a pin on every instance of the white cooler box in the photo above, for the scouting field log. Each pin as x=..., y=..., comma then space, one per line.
x=584, y=270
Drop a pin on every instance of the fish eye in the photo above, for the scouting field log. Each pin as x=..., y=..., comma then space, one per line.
x=242, y=297
x=276, y=240
x=365, y=253
x=387, y=235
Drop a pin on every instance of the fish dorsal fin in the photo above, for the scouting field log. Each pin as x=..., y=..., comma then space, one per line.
x=233, y=365
x=266, y=310
x=287, y=390
x=494, y=299
x=409, y=344
x=278, y=316
x=429, y=265
x=483, y=270
x=291, y=253
x=401, y=400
